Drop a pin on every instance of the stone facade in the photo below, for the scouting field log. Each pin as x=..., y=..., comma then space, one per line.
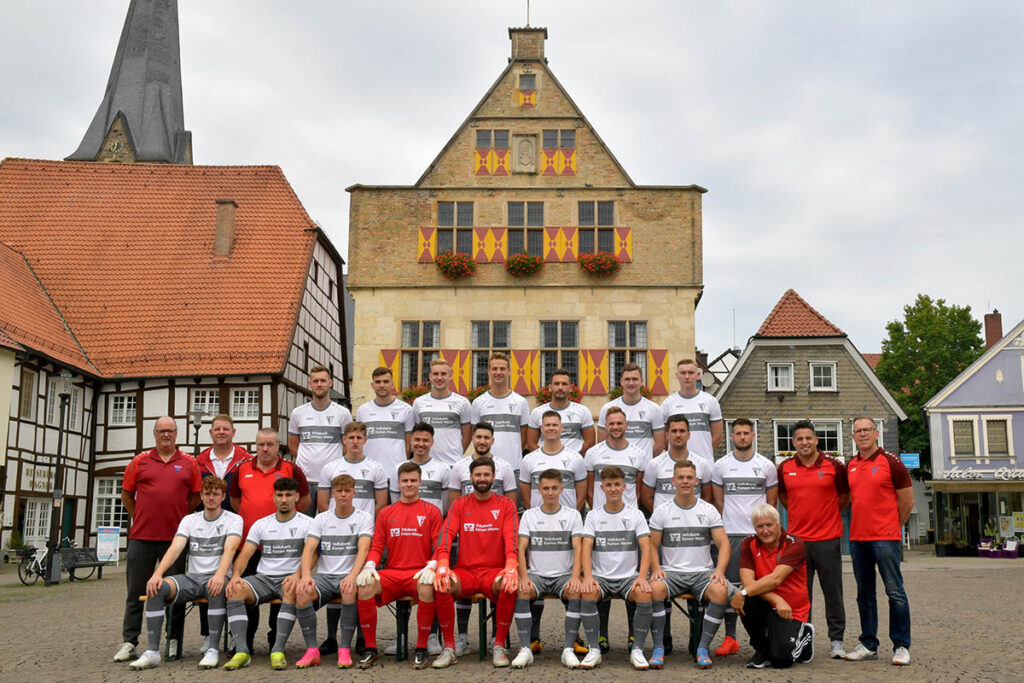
x=543, y=151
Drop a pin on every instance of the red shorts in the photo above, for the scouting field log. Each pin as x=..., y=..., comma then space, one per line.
x=473, y=580
x=395, y=584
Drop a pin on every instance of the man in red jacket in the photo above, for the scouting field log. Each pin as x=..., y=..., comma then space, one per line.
x=224, y=457
x=486, y=526
x=408, y=531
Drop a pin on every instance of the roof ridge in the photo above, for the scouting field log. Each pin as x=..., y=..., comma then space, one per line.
x=177, y=168
x=787, y=313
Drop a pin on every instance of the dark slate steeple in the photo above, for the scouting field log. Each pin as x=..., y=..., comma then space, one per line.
x=141, y=117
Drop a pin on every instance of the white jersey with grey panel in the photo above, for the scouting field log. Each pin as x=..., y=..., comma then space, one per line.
x=631, y=460
x=280, y=543
x=658, y=476
x=370, y=477
x=446, y=415
x=616, y=553
x=643, y=419
x=319, y=433
x=505, y=480
x=206, y=539
x=701, y=411
x=744, y=485
x=434, y=476
x=686, y=535
x=508, y=415
x=568, y=462
x=339, y=539
x=575, y=419
x=386, y=427
x=550, y=552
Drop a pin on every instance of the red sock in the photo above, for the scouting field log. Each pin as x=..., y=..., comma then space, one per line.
x=368, y=621
x=424, y=623
x=444, y=606
x=504, y=612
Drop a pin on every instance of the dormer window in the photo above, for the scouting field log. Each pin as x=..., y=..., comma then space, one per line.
x=780, y=377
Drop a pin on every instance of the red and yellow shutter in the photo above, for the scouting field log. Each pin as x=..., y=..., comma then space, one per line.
x=524, y=371
x=426, y=247
x=594, y=371
x=658, y=378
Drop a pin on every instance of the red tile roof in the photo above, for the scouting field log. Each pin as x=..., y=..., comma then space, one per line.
x=794, y=317
x=872, y=359
x=28, y=319
x=126, y=253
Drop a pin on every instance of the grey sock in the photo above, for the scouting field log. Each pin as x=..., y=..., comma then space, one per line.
x=712, y=619
x=238, y=623
x=591, y=622
x=285, y=623
x=658, y=623
x=155, y=616
x=307, y=622
x=641, y=624
x=524, y=621
x=215, y=621
x=572, y=621
x=349, y=621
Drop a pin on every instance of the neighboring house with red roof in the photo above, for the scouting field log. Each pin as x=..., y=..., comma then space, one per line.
x=163, y=288
x=799, y=365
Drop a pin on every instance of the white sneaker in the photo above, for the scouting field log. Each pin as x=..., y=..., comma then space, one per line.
x=500, y=658
x=523, y=659
x=901, y=657
x=446, y=659
x=210, y=660
x=461, y=645
x=860, y=654
x=433, y=645
x=593, y=658
x=838, y=651
x=637, y=659
x=570, y=660
x=392, y=649
x=148, y=660
x=125, y=652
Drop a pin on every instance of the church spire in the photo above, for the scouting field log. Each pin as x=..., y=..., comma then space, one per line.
x=141, y=117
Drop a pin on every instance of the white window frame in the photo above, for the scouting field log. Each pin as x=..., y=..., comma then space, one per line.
x=124, y=421
x=53, y=406
x=250, y=405
x=973, y=420
x=779, y=453
x=1008, y=421
x=38, y=511
x=811, y=366
x=774, y=388
x=205, y=406
x=839, y=437
x=879, y=427
x=728, y=434
x=478, y=373
x=108, y=509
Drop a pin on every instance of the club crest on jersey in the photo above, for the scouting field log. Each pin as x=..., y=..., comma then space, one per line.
x=420, y=519
x=330, y=419
x=219, y=528
x=700, y=517
x=642, y=413
x=292, y=532
x=177, y=468
x=874, y=470
x=821, y=475
x=563, y=523
x=625, y=523
x=351, y=528
x=394, y=414
x=451, y=406
x=757, y=470
x=494, y=513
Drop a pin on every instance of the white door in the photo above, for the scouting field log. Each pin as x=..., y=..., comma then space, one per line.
x=37, y=522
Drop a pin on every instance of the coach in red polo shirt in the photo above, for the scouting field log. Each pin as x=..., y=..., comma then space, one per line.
x=252, y=496
x=813, y=488
x=773, y=602
x=881, y=498
x=160, y=487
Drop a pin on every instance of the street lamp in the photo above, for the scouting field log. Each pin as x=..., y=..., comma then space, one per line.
x=63, y=384
x=195, y=418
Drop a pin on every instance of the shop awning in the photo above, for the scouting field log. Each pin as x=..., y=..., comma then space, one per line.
x=975, y=486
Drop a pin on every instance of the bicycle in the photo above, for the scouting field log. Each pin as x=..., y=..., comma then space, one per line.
x=31, y=566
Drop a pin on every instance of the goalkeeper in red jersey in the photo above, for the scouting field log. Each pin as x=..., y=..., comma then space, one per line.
x=408, y=530
x=485, y=524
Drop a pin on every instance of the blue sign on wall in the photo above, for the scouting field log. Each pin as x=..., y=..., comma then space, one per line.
x=911, y=460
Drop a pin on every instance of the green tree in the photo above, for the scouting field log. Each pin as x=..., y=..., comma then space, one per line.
x=921, y=355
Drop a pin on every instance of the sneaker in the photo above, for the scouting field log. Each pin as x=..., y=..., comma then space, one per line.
x=210, y=660
x=461, y=645
x=536, y=646
x=148, y=660
x=124, y=653
x=637, y=659
x=278, y=662
x=523, y=659
x=419, y=658
x=329, y=647
x=759, y=661
x=838, y=651
x=445, y=659
x=807, y=651
x=592, y=660
x=579, y=647
x=369, y=658
x=311, y=658
x=657, y=660
x=703, y=660
x=605, y=646
x=569, y=659
x=433, y=645
x=901, y=657
x=860, y=654
x=729, y=646
x=239, y=661
x=344, y=658
x=391, y=650
x=500, y=658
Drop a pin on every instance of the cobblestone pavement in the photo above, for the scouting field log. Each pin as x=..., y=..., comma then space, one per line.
x=966, y=612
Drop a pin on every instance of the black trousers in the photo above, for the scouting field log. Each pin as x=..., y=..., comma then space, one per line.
x=825, y=559
x=781, y=640
x=142, y=558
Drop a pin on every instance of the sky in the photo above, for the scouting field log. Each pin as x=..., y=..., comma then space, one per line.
x=859, y=153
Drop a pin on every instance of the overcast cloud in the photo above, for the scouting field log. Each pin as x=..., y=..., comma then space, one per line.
x=859, y=153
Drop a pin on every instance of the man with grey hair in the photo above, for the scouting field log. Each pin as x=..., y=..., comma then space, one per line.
x=160, y=487
x=773, y=602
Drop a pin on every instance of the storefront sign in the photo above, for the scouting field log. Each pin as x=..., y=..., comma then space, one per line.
x=969, y=473
x=911, y=461
x=107, y=543
x=1018, y=521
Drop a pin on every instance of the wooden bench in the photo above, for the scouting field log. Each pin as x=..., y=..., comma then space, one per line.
x=82, y=558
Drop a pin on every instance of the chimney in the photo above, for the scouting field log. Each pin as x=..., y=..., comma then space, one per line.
x=993, y=327
x=528, y=43
x=224, y=240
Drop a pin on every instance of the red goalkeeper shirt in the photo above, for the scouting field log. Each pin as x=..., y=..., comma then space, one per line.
x=408, y=531
x=486, y=529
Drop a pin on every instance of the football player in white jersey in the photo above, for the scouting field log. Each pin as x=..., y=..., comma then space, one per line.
x=701, y=409
x=578, y=432
x=646, y=423
x=505, y=410
x=449, y=413
x=388, y=422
